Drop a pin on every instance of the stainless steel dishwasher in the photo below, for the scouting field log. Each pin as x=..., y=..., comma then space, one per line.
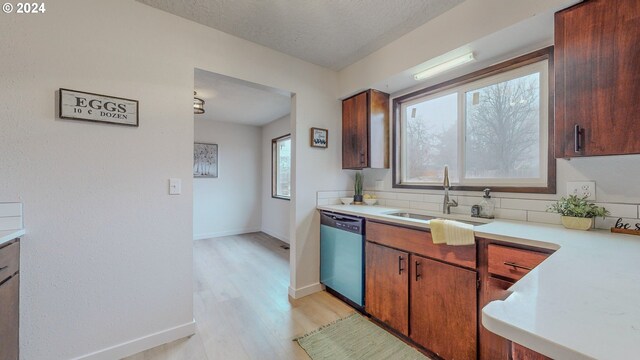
x=342, y=256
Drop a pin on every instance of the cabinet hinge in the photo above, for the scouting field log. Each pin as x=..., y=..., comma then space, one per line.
x=478, y=284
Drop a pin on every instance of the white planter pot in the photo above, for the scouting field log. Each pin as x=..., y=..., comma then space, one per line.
x=577, y=223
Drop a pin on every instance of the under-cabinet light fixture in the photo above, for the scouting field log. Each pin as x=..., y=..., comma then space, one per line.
x=442, y=67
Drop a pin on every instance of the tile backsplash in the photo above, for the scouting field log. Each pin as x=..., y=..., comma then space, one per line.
x=10, y=216
x=506, y=208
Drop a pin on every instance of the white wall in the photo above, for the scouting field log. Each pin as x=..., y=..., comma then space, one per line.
x=107, y=258
x=275, y=212
x=231, y=203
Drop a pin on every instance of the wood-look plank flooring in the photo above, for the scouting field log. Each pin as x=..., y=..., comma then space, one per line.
x=241, y=304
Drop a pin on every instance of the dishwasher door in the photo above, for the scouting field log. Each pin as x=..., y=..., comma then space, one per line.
x=342, y=255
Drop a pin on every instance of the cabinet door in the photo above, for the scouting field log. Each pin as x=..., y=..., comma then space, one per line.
x=492, y=346
x=387, y=286
x=522, y=353
x=444, y=308
x=597, y=58
x=9, y=318
x=355, y=132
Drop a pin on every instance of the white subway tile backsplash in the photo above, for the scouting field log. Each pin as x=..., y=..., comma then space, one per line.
x=510, y=214
x=323, y=202
x=10, y=209
x=386, y=195
x=398, y=203
x=435, y=198
x=621, y=210
x=543, y=217
x=328, y=194
x=532, y=210
x=425, y=206
x=609, y=222
x=11, y=223
x=522, y=204
x=408, y=196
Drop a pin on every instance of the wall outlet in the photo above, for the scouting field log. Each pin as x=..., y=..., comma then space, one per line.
x=379, y=185
x=582, y=188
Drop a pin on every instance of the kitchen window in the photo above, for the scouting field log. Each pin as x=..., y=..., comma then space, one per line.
x=281, y=167
x=492, y=128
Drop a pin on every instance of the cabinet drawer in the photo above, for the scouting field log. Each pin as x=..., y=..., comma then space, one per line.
x=9, y=260
x=513, y=263
x=420, y=242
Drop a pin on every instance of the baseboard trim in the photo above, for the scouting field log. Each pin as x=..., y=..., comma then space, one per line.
x=277, y=235
x=143, y=343
x=305, y=290
x=224, y=233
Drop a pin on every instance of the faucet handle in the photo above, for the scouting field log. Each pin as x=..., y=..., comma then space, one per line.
x=454, y=203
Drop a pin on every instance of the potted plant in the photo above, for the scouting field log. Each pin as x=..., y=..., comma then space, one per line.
x=357, y=185
x=577, y=213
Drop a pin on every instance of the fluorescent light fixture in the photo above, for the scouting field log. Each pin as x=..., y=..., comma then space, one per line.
x=442, y=67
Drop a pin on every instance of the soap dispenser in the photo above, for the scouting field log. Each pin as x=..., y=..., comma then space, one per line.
x=487, y=205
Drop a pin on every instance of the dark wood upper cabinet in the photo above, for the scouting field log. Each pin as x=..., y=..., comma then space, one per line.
x=597, y=62
x=387, y=286
x=443, y=308
x=365, y=130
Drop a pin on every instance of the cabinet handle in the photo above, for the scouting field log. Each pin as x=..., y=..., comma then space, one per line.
x=4, y=267
x=508, y=263
x=418, y=275
x=400, y=268
x=577, y=135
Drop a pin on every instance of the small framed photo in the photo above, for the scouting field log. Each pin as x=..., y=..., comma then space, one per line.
x=319, y=137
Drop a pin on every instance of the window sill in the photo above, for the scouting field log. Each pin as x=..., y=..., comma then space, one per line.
x=281, y=198
x=550, y=189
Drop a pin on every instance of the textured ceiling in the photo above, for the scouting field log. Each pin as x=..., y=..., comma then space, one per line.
x=232, y=100
x=329, y=33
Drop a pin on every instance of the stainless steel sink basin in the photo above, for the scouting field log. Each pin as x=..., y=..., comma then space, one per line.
x=427, y=218
x=412, y=216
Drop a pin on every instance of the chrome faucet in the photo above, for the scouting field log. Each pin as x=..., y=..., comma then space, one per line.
x=447, y=204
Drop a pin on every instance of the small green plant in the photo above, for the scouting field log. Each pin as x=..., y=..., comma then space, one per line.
x=577, y=207
x=358, y=184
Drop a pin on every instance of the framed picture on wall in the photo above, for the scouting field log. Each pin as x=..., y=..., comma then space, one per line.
x=205, y=160
x=319, y=137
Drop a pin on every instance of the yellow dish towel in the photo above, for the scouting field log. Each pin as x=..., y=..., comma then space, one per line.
x=451, y=232
x=437, y=231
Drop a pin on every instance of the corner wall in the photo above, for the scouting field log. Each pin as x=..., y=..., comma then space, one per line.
x=275, y=212
x=231, y=203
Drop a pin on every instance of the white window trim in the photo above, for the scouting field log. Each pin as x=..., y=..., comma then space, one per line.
x=542, y=67
x=274, y=167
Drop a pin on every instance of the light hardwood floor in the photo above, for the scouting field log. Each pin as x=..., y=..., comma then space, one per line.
x=241, y=304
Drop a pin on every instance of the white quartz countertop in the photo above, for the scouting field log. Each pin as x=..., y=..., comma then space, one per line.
x=8, y=235
x=583, y=302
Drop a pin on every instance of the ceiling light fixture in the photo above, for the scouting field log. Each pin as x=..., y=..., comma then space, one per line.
x=442, y=67
x=198, y=104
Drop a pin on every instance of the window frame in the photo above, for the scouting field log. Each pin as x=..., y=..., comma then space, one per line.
x=450, y=86
x=274, y=172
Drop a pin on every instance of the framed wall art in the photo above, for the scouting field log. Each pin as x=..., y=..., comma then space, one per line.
x=319, y=137
x=205, y=160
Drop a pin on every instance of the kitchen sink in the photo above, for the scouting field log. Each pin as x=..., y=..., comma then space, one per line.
x=428, y=217
x=412, y=216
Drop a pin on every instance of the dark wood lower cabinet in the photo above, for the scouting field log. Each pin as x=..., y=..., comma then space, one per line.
x=9, y=318
x=520, y=352
x=387, y=286
x=443, y=308
x=493, y=347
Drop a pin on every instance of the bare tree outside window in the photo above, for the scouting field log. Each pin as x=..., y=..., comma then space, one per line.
x=503, y=129
x=432, y=137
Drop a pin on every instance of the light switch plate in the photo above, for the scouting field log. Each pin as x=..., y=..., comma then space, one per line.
x=175, y=186
x=582, y=188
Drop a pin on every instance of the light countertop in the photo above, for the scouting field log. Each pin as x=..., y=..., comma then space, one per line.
x=583, y=302
x=8, y=235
